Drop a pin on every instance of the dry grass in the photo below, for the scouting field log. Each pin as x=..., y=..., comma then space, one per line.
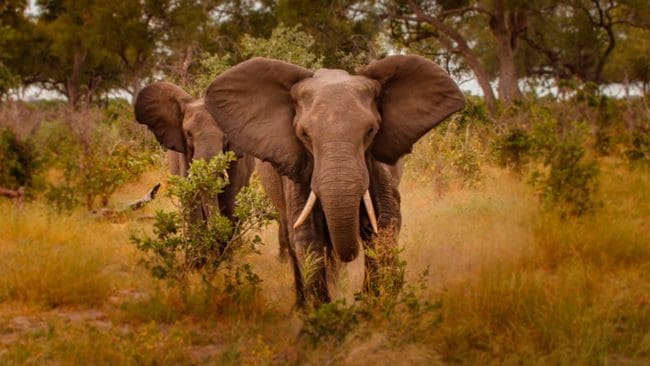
x=517, y=286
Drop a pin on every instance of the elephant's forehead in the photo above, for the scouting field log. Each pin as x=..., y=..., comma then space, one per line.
x=196, y=103
x=336, y=81
x=331, y=75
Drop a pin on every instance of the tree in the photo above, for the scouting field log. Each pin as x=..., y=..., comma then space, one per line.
x=337, y=26
x=286, y=44
x=7, y=78
x=577, y=38
x=128, y=31
x=458, y=25
x=76, y=62
x=630, y=60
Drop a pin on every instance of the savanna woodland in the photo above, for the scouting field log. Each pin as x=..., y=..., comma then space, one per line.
x=524, y=221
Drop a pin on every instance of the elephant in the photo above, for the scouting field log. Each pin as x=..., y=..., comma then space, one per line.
x=183, y=126
x=177, y=163
x=332, y=145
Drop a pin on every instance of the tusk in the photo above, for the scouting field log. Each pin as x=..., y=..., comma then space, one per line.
x=309, y=205
x=367, y=201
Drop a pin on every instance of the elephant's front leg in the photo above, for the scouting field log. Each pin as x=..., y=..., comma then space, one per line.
x=307, y=249
x=382, y=272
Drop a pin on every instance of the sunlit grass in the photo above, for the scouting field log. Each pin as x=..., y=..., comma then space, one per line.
x=51, y=260
x=517, y=285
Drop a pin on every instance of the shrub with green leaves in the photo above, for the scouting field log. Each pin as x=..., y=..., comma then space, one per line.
x=209, y=67
x=21, y=162
x=329, y=323
x=638, y=150
x=286, y=44
x=513, y=149
x=95, y=155
x=449, y=153
x=183, y=247
x=568, y=179
x=388, y=303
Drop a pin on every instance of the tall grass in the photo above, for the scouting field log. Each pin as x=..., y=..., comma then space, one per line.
x=520, y=285
x=517, y=285
x=50, y=261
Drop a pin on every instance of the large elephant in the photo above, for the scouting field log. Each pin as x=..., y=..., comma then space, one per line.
x=333, y=144
x=182, y=125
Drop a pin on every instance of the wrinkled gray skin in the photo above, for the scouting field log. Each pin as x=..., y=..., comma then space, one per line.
x=182, y=125
x=177, y=163
x=337, y=135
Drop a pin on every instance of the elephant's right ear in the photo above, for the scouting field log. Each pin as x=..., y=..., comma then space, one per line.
x=252, y=104
x=160, y=107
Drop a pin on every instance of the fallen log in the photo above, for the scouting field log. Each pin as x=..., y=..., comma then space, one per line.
x=17, y=195
x=112, y=213
x=136, y=205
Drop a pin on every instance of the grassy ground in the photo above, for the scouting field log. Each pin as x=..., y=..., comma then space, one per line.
x=515, y=285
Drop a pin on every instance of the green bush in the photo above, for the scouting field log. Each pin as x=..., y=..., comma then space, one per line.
x=402, y=311
x=286, y=44
x=449, y=153
x=329, y=323
x=209, y=67
x=183, y=246
x=513, y=149
x=568, y=180
x=21, y=163
x=95, y=154
x=638, y=150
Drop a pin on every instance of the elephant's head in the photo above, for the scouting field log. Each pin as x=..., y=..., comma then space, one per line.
x=320, y=128
x=180, y=123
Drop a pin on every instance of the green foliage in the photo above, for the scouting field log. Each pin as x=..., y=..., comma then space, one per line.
x=95, y=156
x=571, y=180
x=385, y=277
x=286, y=44
x=8, y=80
x=513, y=148
x=568, y=180
x=210, y=66
x=330, y=322
x=351, y=61
x=21, y=163
x=185, y=244
x=337, y=27
x=449, y=153
x=387, y=303
x=639, y=146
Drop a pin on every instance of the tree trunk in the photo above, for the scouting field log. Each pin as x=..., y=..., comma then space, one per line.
x=447, y=36
x=508, y=86
x=73, y=84
x=506, y=23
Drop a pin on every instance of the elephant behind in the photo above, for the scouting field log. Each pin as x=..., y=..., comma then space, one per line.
x=333, y=144
x=183, y=126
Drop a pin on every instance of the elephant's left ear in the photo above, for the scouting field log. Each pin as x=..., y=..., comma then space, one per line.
x=416, y=95
x=160, y=106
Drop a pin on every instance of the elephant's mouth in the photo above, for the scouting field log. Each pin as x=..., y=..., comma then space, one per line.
x=341, y=222
x=311, y=201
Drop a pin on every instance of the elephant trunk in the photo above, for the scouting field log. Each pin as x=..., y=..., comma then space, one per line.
x=340, y=182
x=342, y=215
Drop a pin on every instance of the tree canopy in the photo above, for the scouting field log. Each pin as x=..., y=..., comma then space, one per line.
x=86, y=49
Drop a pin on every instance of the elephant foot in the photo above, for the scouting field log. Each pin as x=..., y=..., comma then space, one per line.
x=283, y=255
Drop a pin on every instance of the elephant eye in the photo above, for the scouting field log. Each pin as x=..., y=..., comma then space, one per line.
x=305, y=135
x=371, y=130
